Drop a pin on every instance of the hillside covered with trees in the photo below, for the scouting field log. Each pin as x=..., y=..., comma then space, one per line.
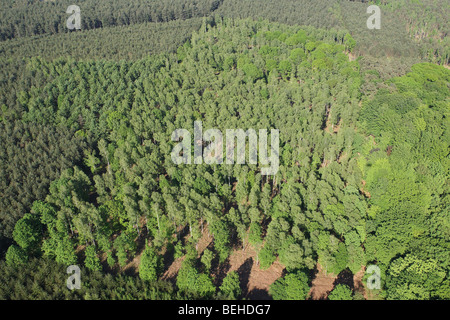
x=87, y=119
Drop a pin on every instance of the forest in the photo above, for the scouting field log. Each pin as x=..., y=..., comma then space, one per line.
x=87, y=178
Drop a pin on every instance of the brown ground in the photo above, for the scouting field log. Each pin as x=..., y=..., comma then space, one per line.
x=322, y=284
x=204, y=241
x=172, y=267
x=255, y=282
x=132, y=268
x=172, y=271
x=364, y=192
x=351, y=56
x=358, y=283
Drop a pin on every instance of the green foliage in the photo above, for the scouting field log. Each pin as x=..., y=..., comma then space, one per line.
x=43, y=279
x=285, y=67
x=221, y=239
x=65, y=252
x=28, y=232
x=89, y=139
x=124, y=245
x=230, y=287
x=255, y=234
x=15, y=256
x=291, y=255
x=403, y=196
x=91, y=261
x=179, y=250
x=252, y=72
x=36, y=18
x=60, y=248
x=293, y=286
x=341, y=292
x=190, y=281
x=91, y=161
x=411, y=278
x=297, y=55
x=33, y=156
x=149, y=267
x=207, y=258
x=204, y=286
x=202, y=186
x=349, y=42
x=296, y=39
x=341, y=259
x=266, y=258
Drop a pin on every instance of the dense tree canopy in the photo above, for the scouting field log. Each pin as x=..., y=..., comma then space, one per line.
x=87, y=176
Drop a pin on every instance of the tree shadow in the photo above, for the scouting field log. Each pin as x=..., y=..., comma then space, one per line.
x=221, y=272
x=168, y=257
x=311, y=273
x=259, y=294
x=345, y=277
x=218, y=270
x=141, y=243
x=244, y=275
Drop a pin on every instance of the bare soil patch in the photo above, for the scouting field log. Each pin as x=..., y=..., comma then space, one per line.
x=359, y=284
x=172, y=270
x=255, y=282
x=171, y=266
x=322, y=284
